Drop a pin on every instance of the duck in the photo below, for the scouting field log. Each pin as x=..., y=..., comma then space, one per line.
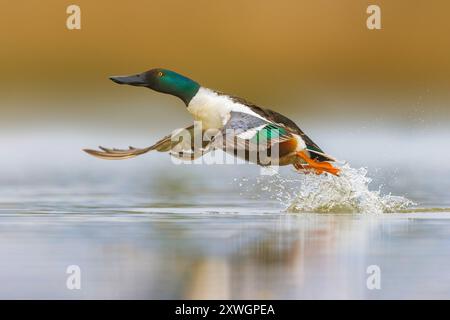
x=229, y=123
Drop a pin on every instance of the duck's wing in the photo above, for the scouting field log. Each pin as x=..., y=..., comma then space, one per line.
x=117, y=154
x=179, y=142
x=247, y=132
x=281, y=121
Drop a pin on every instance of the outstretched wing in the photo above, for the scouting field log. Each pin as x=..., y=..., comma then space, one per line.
x=179, y=142
x=117, y=154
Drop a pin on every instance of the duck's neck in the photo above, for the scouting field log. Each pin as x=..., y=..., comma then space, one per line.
x=210, y=108
x=185, y=91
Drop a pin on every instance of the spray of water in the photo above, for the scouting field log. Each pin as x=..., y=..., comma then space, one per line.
x=348, y=193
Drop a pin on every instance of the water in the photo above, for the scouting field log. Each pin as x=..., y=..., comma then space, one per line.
x=348, y=193
x=148, y=229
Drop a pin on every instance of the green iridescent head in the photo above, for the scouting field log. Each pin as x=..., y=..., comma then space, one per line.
x=162, y=80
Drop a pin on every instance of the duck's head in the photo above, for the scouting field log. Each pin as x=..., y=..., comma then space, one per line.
x=164, y=81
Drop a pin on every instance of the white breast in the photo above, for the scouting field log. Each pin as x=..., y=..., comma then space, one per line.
x=213, y=110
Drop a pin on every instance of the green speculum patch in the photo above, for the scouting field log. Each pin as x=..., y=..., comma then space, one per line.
x=268, y=133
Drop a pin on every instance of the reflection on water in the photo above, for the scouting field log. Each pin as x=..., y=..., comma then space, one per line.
x=158, y=251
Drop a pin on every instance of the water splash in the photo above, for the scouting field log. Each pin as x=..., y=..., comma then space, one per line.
x=348, y=193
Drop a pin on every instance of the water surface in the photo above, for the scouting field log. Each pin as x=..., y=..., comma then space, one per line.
x=148, y=229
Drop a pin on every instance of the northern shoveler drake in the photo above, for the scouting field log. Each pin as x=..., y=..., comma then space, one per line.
x=250, y=125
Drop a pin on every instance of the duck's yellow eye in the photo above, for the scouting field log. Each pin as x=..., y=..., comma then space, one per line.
x=160, y=74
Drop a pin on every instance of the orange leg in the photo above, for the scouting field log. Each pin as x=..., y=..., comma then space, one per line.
x=316, y=166
x=304, y=168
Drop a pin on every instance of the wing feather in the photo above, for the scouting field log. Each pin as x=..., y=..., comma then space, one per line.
x=284, y=122
x=181, y=140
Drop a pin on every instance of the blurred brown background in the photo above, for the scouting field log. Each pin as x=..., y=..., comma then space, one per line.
x=304, y=58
